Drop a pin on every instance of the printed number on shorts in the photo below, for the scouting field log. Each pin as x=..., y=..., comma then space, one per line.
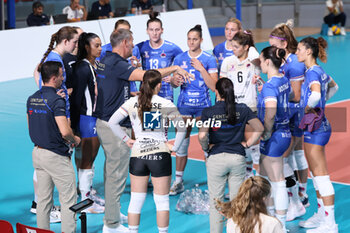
x=95, y=130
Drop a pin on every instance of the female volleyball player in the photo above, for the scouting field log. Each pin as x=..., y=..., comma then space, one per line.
x=282, y=36
x=273, y=112
x=318, y=87
x=157, y=53
x=150, y=152
x=84, y=100
x=247, y=212
x=226, y=146
x=194, y=95
x=225, y=49
x=241, y=71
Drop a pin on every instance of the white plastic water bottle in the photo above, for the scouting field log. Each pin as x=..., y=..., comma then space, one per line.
x=163, y=8
x=52, y=22
x=139, y=11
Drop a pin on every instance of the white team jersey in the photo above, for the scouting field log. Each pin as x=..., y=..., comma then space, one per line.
x=241, y=73
x=150, y=141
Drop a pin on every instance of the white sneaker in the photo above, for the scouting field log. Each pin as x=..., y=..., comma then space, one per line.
x=342, y=31
x=294, y=211
x=97, y=199
x=123, y=218
x=330, y=32
x=120, y=229
x=324, y=228
x=312, y=222
x=176, y=188
x=305, y=200
x=95, y=209
x=55, y=215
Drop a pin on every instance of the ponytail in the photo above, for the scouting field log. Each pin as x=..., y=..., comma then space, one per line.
x=318, y=47
x=52, y=43
x=224, y=86
x=275, y=54
x=65, y=33
x=150, y=80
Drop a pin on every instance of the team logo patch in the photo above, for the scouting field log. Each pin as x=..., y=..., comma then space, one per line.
x=163, y=64
x=221, y=57
x=163, y=55
x=232, y=68
x=146, y=54
x=184, y=65
x=248, y=64
x=152, y=120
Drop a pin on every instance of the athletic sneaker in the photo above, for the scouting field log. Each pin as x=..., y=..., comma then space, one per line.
x=97, y=199
x=177, y=188
x=123, y=218
x=120, y=229
x=95, y=209
x=330, y=32
x=342, y=31
x=324, y=228
x=55, y=214
x=312, y=222
x=294, y=211
x=305, y=201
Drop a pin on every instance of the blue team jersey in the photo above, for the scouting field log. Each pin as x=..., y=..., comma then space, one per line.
x=54, y=56
x=161, y=57
x=221, y=52
x=277, y=89
x=196, y=93
x=314, y=74
x=108, y=47
x=292, y=69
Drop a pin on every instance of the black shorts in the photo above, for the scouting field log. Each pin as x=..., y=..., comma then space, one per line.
x=157, y=165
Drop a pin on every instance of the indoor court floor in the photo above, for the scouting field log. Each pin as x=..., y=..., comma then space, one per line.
x=16, y=193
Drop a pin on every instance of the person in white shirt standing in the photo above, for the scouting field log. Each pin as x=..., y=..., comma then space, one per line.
x=334, y=15
x=75, y=12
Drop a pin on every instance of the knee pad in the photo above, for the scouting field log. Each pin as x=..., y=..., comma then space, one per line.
x=280, y=195
x=35, y=178
x=300, y=160
x=314, y=181
x=287, y=170
x=136, y=202
x=324, y=185
x=161, y=201
x=290, y=181
x=183, y=148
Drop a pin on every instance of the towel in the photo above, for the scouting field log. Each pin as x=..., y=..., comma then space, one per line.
x=312, y=121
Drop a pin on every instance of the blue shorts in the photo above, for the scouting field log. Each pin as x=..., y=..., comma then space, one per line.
x=320, y=136
x=87, y=126
x=295, y=115
x=191, y=111
x=277, y=144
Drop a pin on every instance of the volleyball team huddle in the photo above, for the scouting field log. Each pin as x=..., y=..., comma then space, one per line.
x=264, y=124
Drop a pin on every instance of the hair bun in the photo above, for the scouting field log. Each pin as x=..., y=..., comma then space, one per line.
x=153, y=15
x=281, y=53
x=198, y=27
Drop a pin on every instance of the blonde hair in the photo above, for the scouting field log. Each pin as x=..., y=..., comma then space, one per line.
x=245, y=209
x=236, y=21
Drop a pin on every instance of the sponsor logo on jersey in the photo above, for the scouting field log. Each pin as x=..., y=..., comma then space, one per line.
x=151, y=120
x=30, y=111
x=163, y=64
x=184, y=65
x=232, y=68
x=146, y=54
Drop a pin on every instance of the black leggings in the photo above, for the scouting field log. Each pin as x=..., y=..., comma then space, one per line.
x=331, y=19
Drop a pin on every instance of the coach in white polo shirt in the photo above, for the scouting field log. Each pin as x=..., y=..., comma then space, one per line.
x=75, y=12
